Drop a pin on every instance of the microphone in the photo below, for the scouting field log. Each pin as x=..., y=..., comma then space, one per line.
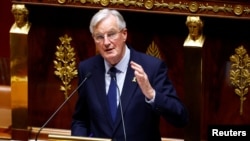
x=59, y=108
x=119, y=92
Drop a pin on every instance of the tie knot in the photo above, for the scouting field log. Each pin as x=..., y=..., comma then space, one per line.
x=112, y=71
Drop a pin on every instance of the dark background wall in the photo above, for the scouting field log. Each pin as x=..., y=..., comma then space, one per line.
x=6, y=20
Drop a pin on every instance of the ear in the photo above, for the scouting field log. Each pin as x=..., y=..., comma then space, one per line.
x=124, y=34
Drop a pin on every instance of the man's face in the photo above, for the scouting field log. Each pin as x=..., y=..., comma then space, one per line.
x=110, y=40
x=194, y=30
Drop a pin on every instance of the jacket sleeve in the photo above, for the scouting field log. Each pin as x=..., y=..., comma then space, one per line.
x=166, y=101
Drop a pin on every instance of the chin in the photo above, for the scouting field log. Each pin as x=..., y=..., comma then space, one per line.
x=111, y=60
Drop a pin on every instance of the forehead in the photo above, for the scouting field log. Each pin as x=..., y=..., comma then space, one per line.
x=107, y=24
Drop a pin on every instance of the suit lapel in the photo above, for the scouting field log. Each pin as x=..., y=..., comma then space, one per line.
x=128, y=89
x=128, y=92
x=99, y=74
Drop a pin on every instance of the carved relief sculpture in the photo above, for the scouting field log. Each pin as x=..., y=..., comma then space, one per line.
x=153, y=50
x=195, y=27
x=65, y=64
x=240, y=74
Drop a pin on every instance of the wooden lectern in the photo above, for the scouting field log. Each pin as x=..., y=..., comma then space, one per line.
x=53, y=137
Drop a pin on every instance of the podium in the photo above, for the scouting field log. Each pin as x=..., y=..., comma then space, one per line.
x=53, y=137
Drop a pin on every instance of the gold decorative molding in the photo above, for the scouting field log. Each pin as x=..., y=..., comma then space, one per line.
x=65, y=63
x=192, y=6
x=153, y=50
x=239, y=74
x=212, y=8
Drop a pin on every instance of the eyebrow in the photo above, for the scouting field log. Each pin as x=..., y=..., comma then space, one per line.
x=111, y=30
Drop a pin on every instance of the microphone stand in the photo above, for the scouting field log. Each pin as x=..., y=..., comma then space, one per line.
x=59, y=108
x=123, y=124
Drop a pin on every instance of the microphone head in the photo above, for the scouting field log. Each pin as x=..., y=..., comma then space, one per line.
x=88, y=75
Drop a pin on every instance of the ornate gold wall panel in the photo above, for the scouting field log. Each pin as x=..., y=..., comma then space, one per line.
x=213, y=8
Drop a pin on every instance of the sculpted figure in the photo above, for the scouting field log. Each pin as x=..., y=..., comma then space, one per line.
x=21, y=24
x=195, y=37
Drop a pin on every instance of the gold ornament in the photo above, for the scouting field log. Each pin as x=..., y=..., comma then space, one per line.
x=193, y=6
x=149, y=4
x=65, y=64
x=238, y=10
x=240, y=74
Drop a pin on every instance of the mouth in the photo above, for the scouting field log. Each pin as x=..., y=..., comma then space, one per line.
x=109, y=50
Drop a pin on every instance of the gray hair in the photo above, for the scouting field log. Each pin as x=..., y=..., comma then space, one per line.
x=104, y=13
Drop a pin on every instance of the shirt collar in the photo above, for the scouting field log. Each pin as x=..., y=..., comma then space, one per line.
x=122, y=65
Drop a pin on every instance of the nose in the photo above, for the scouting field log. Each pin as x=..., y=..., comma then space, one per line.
x=106, y=40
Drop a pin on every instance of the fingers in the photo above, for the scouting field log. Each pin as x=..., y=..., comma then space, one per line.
x=140, y=75
x=142, y=80
x=137, y=68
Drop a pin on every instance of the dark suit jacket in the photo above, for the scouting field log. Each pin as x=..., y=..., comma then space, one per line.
x=141, y=119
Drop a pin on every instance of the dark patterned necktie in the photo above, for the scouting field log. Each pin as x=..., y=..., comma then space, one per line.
x=112, y=93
